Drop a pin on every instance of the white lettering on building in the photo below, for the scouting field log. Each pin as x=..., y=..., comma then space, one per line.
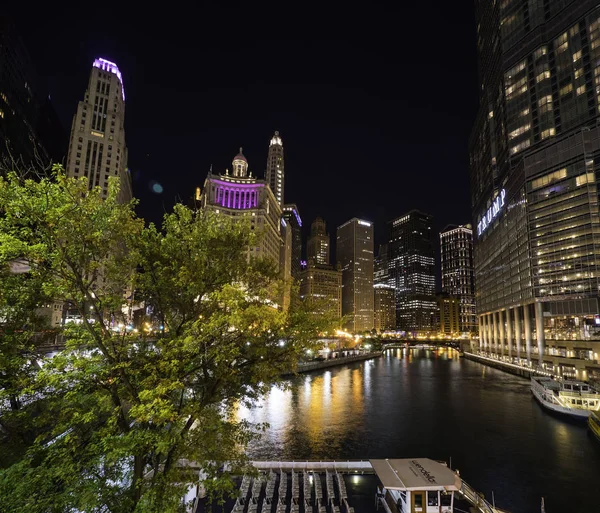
x=491, y=213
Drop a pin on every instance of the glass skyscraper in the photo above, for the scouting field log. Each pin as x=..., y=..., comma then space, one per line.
x=535, y=160
x=411, y=270
x=354, y=248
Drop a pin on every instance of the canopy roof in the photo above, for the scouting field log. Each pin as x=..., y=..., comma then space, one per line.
x=415, y=474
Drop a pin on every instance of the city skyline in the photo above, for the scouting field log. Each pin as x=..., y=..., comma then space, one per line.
x=325, y=142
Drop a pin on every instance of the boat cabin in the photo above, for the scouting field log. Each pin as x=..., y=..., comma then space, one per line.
x=417, y=485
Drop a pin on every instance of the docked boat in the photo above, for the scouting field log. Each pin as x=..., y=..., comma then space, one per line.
x=574, y=398
x=594, y=424
x=413, y=485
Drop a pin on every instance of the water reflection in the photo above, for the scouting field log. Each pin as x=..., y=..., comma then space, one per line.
x=432, y=403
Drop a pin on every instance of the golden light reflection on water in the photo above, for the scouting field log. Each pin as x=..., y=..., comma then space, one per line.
x=327, y=404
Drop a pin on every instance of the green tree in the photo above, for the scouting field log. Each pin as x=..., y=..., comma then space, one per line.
x=123, y=419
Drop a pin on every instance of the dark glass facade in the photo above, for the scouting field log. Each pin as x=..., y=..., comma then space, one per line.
x=292, y=217
x=29, y=127
x=534, y=171
x=411, y=268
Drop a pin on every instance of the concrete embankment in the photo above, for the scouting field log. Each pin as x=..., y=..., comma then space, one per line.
x=332, y=362
x=517, y=370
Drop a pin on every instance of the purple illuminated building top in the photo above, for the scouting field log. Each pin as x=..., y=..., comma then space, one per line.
x=237, y=195
x=111, y=67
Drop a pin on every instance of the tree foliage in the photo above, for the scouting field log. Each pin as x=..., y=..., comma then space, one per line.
x=122, y=419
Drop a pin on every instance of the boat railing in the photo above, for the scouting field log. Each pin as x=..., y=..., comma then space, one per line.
x=475, y=499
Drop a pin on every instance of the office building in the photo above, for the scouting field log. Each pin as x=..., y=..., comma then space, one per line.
x=97, y=147
x=456, y=248
x=318, y=244
x=412, y=271
x=242, y=196
x=381, y=267
x=323, y=284
x=355, y=258
x=275, y=175
x=449, y=315
x=535, y=163
x=384, y=305
x=292, y=217
x=30, y=132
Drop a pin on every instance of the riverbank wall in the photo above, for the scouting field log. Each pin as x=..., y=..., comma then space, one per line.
x=511, y=368
x=333, y=362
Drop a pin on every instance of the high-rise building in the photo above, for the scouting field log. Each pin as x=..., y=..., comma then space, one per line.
x=318, y=244
x=412, y=271
x=275, y=175
x=30, y=132
x=97, y=148
x=384, y=305
x=242, y=196
x=355, y=258
x=322, y=283
x=456, y=247
x=293, y=220
x=535, y=164
x=449, y=314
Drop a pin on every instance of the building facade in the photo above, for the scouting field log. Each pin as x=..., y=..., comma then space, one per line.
x=30, y=132
x=411, y=268
x=535, y=163
x=275, y=175
x=322, y=283
x=97, y=147
x=384, y=305
x=318, y=244
x=292, y=217
x=242, y=196
x=449, y=312
x=458, y=275
x=355, y=258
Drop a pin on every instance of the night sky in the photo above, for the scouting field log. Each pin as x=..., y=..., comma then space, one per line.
x=374, y=106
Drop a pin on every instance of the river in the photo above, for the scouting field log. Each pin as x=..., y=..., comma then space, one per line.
x=423, y=403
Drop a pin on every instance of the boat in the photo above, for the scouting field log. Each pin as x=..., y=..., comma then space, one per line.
x=594, y=424
x=576, y=399
x=410, y=485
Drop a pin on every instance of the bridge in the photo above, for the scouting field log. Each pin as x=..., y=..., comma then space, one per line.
x=401, y=344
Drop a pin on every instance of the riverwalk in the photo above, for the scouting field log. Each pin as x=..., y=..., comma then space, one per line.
x=512, y=368
x=332, y=362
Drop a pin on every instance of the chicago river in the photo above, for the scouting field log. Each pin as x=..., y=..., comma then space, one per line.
x=431, y=403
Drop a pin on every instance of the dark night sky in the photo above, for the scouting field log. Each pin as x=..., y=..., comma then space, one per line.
x=374, y=106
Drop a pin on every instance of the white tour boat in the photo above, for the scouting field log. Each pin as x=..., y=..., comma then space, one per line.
x=574, y=398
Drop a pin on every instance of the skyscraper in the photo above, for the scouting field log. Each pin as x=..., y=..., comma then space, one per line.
x=317, y=247
x=30, y=132
x=412, y=271
x=240, y=195
x=275, y=168
x=355, y=257
x=97, y=147
x=535, y=163
x=384, y=307
x=456, y=247
x=294, y=221
x=322, y=283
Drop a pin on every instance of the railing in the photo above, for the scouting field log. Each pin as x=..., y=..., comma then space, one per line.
x=475, y=499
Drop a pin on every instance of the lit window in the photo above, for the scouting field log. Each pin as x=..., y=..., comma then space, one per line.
x=548, y=132
x=580, y=90
x=551, y=177
x=542, y=76
x=566, y=89
x=519, y=131
x=585, y=178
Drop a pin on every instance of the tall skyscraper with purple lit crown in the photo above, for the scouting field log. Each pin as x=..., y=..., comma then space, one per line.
x=97, y=147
